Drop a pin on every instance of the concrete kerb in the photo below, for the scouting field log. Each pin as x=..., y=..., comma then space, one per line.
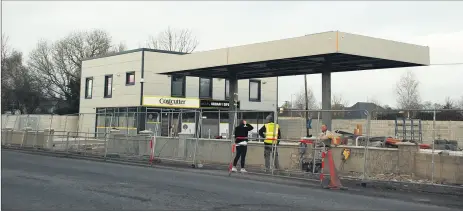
x=296, y=179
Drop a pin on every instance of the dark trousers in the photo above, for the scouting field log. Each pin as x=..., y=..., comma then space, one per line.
x=240, y=152
x=268, y=153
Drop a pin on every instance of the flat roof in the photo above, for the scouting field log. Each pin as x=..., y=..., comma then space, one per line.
x=335, y=51
x=135, y=50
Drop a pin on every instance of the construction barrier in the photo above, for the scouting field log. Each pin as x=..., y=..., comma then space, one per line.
x=355, y=152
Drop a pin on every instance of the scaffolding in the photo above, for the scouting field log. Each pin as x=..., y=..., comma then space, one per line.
x=409, y=129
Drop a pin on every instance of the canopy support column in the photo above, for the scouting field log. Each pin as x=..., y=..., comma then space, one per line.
x=326, y=98
x=233, y=88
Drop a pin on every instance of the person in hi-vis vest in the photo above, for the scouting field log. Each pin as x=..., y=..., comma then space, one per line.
x=267, y=132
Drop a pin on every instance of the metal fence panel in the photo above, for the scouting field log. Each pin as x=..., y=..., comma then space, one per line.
x=432, y=150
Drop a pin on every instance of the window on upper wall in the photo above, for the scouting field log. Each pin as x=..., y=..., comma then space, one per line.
x=130, y=78
x=227, y=89
x=205, y=88
x=88, y=87
x=177, y=87
x=254, y=91
x=108, y=86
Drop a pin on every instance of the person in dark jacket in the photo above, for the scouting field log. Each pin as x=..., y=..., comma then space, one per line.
x=269, y=140
x=241, y=141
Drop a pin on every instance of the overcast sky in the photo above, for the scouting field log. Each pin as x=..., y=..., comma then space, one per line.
x=224, y=24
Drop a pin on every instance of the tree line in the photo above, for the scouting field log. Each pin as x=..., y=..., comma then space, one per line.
x=49, y=80
x=408, y=101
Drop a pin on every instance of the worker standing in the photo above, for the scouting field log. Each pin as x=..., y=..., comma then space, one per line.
x=325, y=136
x=241, y=141
x=267, y=132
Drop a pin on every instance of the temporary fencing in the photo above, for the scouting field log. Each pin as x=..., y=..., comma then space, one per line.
x=218, y=151
x=409, y=145
x=40, y=122
x=348, y=130
x=365, y=145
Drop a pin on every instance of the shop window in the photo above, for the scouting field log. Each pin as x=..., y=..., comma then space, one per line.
x=254, y=90
x=205, y=88
x=178, y=86
x=227, y=89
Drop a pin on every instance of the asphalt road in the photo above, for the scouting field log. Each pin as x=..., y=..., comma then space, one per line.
x=34, y=182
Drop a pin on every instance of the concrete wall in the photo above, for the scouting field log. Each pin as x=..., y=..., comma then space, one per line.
x=448, y=169
x=406, y=160
x=28, y=138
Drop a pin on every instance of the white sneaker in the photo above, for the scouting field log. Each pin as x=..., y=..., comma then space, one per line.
x=243, y=170
x=234, y=169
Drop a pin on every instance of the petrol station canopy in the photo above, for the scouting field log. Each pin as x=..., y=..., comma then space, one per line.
x=332, y=51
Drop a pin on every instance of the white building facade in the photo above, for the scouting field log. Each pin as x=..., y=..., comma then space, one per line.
x=126, y=91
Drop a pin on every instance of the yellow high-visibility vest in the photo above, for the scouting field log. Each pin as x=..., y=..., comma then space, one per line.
x=269, y=137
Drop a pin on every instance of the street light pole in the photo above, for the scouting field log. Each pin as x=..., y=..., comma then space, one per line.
x=306, y=104
x=291, y=108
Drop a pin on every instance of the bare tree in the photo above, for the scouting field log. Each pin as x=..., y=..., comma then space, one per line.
x=376, y=102
x=5, y=73
x=179, y=40
x=408, y=96
x=338, y=103
x=449, y=103
x=5, y=47
x=59, y=64
x=378, y=108
x=460, y=103
x=119, y=47
x=427, y=105
x=299, y=102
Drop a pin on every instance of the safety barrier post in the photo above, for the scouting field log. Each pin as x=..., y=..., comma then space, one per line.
x=367, y=141
x=34, y=145
x=25, y=131
x=316, y=142
x=232, y=137
x=86, y=145
x=433, y=144
x=197, y=138
x=49, y=132
x=105, y=143
x=27, y=121
x=67, y=141
x=65, y=123
x=16, y=123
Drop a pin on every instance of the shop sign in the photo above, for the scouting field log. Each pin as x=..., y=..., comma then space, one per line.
x=170, y=102
x=216, y=104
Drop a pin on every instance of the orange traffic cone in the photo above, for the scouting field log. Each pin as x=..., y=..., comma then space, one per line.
x=335, y=183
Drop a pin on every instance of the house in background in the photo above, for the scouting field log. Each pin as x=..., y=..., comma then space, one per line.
x=359, y=107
